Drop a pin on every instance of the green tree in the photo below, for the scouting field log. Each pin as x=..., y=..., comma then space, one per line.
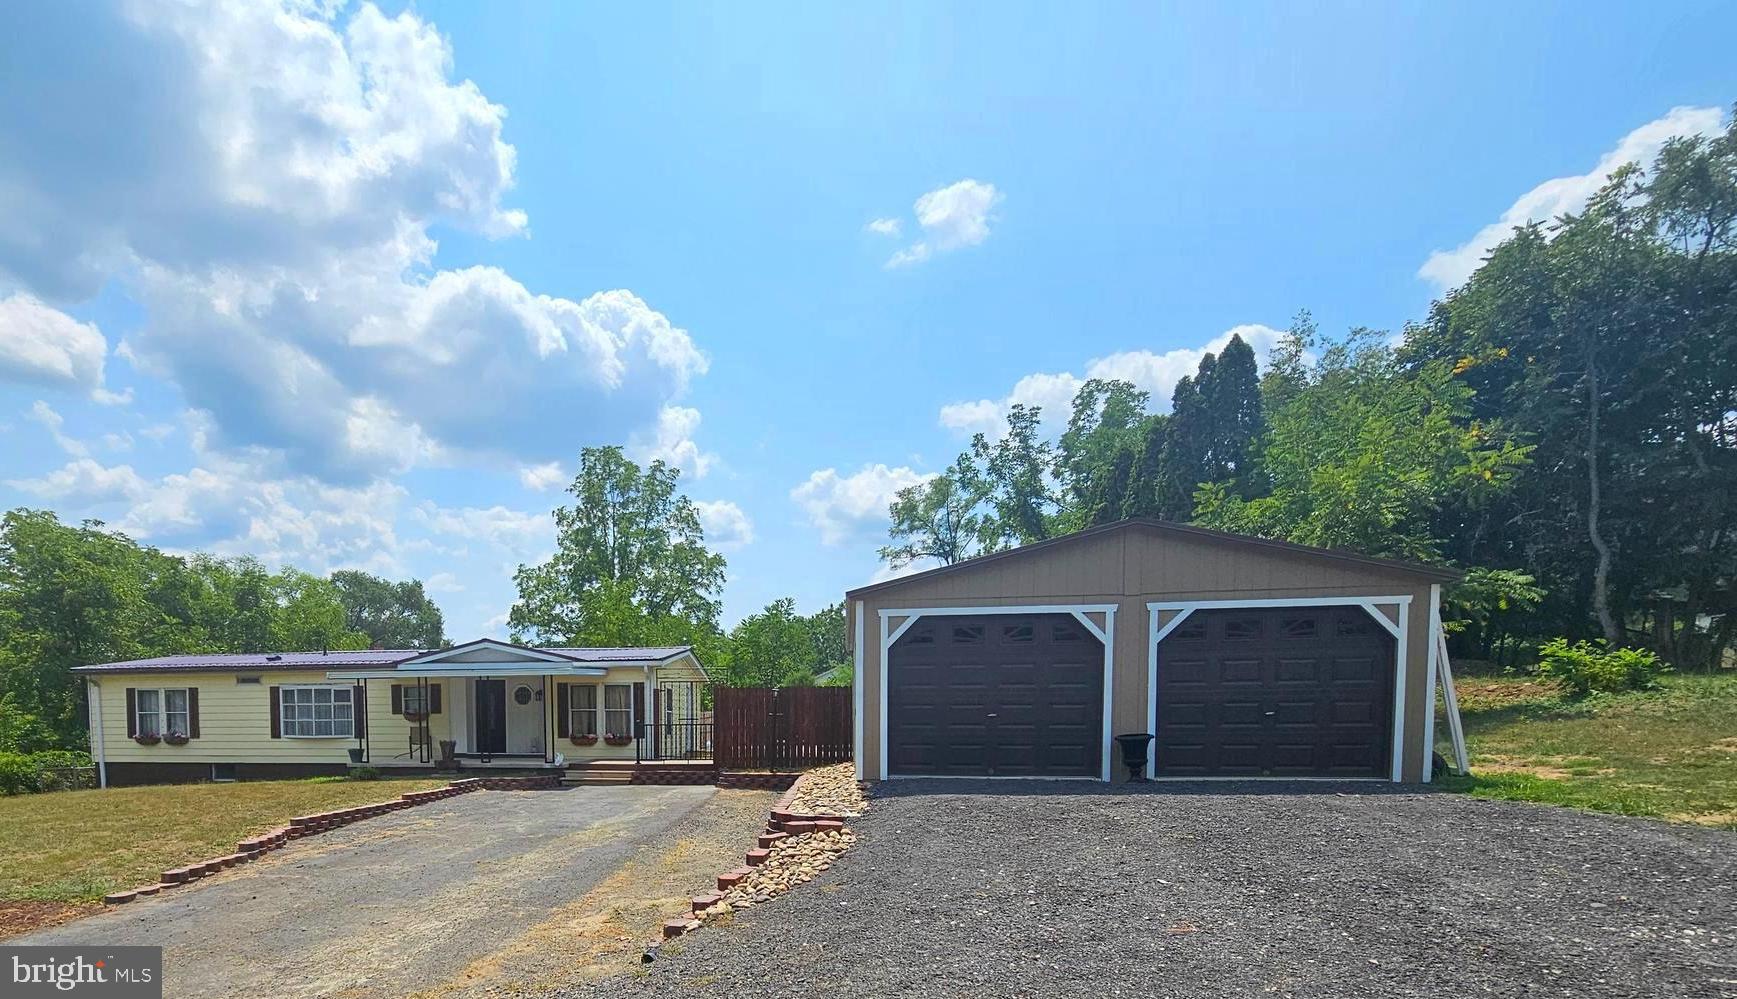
x=1103, y=432
x=310, y=615
x=392, y=615
x=1364, y=453
x=941, y=519
x=630, y=566
x=774, y=648
x=826, y=634
x=1016, y=468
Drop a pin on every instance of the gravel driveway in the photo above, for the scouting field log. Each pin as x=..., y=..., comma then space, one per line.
x=965, y=889
x=394, y=904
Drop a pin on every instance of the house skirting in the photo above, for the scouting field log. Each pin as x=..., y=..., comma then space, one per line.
x=135, y=774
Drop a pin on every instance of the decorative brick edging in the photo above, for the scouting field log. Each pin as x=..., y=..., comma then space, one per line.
x=781, y=824
x=310, y=825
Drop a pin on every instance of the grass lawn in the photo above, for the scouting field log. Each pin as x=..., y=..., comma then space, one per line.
x=73, y=846
x=1669, y=753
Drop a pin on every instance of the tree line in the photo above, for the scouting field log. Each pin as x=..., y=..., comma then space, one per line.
x=1563, y=427
x=73, y=595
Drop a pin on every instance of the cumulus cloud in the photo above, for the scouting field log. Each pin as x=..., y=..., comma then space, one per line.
x=51, y=421
x=885, y=227
x=843, y=507
x=44, y=346
x=727, y=527
x=672, y=442
x=516, y=532
x=266, y=180
x=1448, y=269
x=543, y=477
x=1055, y=391
x=949, y=218
x=84, y=483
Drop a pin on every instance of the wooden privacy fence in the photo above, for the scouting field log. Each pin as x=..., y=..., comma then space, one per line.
x=767, y=728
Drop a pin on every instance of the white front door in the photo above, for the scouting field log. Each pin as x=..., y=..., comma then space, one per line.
x=525, y=716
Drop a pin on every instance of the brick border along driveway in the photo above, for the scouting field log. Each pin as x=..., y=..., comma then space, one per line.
x=1049, y=889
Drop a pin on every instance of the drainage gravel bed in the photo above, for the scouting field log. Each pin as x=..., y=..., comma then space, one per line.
x=1056, y=889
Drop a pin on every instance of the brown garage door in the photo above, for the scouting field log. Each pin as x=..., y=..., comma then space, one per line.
x=1286, y=692
x=999, y=695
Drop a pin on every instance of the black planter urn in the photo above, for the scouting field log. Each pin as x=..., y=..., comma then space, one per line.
x=1134, y=753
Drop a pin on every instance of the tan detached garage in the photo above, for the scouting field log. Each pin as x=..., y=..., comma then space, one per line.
x=1245, y=657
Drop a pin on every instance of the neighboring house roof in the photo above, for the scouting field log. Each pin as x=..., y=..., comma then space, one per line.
x=377, y=658
x=1434, y=572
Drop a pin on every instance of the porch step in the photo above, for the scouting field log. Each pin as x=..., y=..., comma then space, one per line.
x=584, y=778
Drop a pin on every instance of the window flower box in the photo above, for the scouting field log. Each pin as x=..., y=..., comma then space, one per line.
x=415, y=716
x=583, y=740
x=175, y=739
x=146, y=740
x=618, y=740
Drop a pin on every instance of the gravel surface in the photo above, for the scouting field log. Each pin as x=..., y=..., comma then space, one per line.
x=393, y=904
x=965, y=889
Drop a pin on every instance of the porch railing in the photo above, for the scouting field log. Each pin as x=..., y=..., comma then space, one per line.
x=673, y=740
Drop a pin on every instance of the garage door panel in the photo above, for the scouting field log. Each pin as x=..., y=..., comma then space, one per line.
x=996, y=695
x=1275, y=692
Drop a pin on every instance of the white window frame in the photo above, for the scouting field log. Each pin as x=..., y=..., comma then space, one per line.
x=285, y=702
x=159, y=715
x=627, y=730
x=576, y=711
x=406, y=706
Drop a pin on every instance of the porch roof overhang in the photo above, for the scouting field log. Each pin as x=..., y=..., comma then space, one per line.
x=436, y=670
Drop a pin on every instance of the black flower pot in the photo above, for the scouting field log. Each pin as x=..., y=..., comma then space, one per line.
x=1134, y=753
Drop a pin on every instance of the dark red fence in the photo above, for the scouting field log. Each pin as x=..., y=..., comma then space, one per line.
x=765, y=728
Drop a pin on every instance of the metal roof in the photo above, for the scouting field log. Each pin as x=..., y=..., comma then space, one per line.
x=378, y=658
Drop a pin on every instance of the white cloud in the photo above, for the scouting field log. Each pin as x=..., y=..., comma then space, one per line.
x=884, y=572
x=885, y=227
x=951, y=217
x=514, y=531
x=847, y=506
x=1448, y=269
x=672, y=442
x=1055, y=391
x=443, y=582
x=265, y=180
x=121, y=441
x=45, y=346
x=55, y=424
x=542, y=477
x=84, y=483
x=727, y=527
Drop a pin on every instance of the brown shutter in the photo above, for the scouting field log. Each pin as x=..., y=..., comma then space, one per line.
x=563, y=718
x=132, y=712
x=398, y=698
x=192, y=712
x=434, y=698
x=638, y=707
x=276, y=715
x=359, y=709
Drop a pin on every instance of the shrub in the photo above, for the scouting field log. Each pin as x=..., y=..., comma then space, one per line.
x=1595, y=668
x=29, y=773
x=364, y=773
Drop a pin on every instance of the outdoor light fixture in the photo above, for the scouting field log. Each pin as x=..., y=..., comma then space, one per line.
x=1134, y=753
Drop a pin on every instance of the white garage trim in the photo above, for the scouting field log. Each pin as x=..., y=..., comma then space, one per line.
x=1105, y=635
x=1369, y=604
x=1429, y=689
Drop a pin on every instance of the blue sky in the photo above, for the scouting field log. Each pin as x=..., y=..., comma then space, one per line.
x=352, y=287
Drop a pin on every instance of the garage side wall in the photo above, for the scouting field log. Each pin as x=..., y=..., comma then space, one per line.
x=1128, y=569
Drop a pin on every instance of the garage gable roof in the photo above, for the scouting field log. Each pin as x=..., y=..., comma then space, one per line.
x=1432, y=573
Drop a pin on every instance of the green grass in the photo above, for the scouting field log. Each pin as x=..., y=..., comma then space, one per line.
x=1668, y=753
x=72, y=846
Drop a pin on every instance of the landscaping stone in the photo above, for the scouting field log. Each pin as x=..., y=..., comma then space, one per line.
x=828, y=791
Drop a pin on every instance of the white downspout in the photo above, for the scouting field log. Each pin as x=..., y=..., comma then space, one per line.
x=95, y=693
